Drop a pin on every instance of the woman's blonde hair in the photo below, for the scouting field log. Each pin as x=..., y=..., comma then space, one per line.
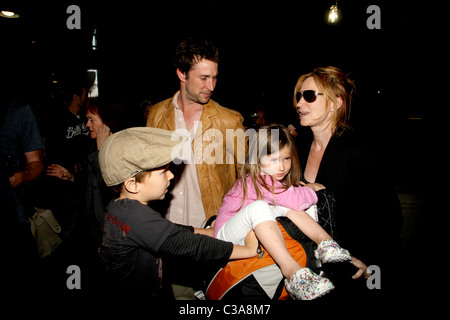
x=335, y=85
x=267, y=140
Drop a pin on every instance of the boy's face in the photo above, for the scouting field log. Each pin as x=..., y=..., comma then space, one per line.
x=155, y=184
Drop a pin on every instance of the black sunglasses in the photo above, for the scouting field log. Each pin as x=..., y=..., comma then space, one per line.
x=308, y=95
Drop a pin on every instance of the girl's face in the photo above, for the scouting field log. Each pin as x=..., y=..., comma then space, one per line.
x=313, y=114
x=93, y=123
x=277, y=165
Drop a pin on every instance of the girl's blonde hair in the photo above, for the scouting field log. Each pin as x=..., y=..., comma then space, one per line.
x=334, y=84
x=267, y=140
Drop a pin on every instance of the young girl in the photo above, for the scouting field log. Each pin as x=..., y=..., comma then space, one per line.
x=265, y=190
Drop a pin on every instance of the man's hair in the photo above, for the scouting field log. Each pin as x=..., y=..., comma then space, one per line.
x=73, y=86
x=191, y=51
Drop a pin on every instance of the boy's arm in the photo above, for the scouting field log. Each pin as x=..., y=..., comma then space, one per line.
x=247, y=251
x=183, y=242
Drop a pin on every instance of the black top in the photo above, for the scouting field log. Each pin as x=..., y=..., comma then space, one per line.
x=68, y=141
x=135, y=237
x=367, y=206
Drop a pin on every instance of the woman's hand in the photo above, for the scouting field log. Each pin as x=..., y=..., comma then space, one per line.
x=292, y=130
x=60, y=172
x=362, y=268
x=315, y=186
x=103, y=132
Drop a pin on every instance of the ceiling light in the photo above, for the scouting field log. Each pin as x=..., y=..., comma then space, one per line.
x=9, y=14
x=333, y=14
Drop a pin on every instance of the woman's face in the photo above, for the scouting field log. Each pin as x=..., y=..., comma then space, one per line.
x=93, y=123
x=313, y=114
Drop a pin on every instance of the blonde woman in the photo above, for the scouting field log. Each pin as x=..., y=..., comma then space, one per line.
x=333, y=154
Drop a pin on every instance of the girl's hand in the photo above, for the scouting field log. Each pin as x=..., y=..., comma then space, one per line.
x=60, y=172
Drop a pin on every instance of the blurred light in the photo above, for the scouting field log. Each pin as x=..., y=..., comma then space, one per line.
x=333, y=15
x=94, y=39
x=93, y=92
x=8, y=14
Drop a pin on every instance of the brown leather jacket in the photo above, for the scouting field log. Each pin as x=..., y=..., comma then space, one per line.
x=217, y=174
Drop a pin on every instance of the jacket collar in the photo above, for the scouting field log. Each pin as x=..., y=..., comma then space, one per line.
x=209, y=111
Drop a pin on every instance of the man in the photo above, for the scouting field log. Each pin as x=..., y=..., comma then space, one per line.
x=21, y=148
x=207, y=175
x=67, y=144
x=21, y=157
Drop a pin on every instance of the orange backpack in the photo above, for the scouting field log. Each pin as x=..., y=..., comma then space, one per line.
x=243, y=273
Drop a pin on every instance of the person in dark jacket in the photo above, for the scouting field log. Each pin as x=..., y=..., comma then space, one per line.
x=368, y=212
x=103, y=118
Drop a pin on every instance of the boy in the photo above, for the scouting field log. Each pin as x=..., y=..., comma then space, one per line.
x=135, y=161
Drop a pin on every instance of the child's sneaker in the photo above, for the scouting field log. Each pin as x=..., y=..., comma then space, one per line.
x=330, y=251
x=306, y=285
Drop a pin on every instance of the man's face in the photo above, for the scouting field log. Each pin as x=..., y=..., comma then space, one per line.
x=83, y=97
x=200, y=81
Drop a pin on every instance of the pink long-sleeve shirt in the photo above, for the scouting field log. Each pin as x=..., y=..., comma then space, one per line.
x=296, y=198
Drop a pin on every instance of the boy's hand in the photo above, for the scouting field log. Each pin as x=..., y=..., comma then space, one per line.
x=251, y=242
x=248, y=250
x=206, y=232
